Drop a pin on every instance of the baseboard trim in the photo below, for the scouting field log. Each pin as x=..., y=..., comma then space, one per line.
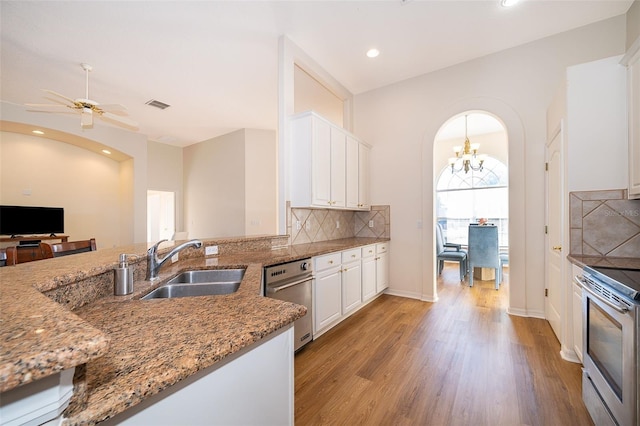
x=569, y=355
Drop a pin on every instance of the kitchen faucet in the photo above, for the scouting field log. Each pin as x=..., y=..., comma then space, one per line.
x=154, y=263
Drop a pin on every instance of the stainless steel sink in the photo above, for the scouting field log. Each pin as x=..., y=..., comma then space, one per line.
x=208, y=276
x=210, y=282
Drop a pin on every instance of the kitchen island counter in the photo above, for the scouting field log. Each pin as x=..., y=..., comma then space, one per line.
x=132, y=349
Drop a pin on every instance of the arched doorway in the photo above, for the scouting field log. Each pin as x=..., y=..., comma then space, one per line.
x=518, y=292
x=465, y=195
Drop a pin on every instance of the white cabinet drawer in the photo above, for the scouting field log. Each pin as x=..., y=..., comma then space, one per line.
x=382, y=248
x=350, y=255
x=368, y=251
x=327, y=261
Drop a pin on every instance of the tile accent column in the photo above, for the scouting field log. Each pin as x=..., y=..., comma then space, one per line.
x=604, y=223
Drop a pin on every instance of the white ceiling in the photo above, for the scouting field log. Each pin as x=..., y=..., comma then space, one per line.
x=215, y=62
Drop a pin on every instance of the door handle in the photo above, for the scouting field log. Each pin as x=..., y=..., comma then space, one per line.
x=272, y=290
x=557, y=248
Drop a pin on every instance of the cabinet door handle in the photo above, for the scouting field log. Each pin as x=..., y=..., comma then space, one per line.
x=330, y=262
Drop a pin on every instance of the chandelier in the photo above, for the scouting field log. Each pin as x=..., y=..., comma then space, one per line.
x=467, y=157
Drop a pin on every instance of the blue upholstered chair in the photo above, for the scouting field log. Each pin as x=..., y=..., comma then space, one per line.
x=484, y=251
x=449, y=252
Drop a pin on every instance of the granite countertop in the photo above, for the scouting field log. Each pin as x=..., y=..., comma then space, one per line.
x=612, y=262
x=135, y=348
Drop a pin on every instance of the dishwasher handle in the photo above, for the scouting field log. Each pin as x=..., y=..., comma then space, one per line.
x=273, y=290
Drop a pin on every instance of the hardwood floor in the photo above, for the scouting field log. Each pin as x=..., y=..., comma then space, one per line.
x=460, y=361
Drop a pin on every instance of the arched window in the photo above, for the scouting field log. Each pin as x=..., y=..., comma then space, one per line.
x=463, y=198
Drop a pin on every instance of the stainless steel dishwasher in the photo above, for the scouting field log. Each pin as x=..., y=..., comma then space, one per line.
x=292, y=282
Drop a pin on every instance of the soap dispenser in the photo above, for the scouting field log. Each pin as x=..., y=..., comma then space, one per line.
x=123, y=283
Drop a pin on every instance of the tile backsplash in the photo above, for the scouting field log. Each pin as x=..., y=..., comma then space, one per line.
x=306, y=225
x=604, y=223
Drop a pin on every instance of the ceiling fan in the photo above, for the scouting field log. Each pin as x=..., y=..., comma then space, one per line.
x=87, y=107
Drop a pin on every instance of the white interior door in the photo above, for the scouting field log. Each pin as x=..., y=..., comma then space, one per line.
x=554, y=236
x=161, y=218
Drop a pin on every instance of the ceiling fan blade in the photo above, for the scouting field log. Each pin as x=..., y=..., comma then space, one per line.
x=51, y=107
x=122, y=121
x=60, y=96
x=86, y=120
x=114, y=108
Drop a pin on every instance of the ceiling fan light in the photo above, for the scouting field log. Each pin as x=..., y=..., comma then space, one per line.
x=86, y=118
x=508, y=3
x=373, y=53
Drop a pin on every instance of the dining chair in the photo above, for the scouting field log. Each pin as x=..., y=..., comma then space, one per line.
x=449, y=252
x=71, y=247
x=8, y=256
x=484, y=251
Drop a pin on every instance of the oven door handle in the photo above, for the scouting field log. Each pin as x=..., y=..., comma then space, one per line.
x=620, y=308
x=273, y=290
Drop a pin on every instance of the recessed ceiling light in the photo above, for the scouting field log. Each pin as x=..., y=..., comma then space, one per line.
x=38, y=132
x=106, y=151
x=372, y=53
x=508, y=3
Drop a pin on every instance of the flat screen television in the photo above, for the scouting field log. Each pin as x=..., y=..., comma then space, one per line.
x=22, y=220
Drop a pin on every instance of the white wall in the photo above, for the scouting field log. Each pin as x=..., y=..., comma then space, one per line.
x=633, y=23
x=597, y=148
x=230, y=185
x=214, y=187
x=401, y=122
x=311, y=95
x=165, y=174
x=261, y=162
x=133, y=179
x=37, y=171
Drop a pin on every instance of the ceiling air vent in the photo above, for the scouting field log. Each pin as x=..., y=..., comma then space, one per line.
x=157, y=104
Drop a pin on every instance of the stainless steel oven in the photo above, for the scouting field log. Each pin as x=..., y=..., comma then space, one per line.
x=610, y=344
x=292, y=282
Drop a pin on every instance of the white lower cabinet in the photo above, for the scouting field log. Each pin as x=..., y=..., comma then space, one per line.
x=327, y=291
x=369, y=261
x=382, y=267
x=345, y=281
x=577, y=313
x=351, y=280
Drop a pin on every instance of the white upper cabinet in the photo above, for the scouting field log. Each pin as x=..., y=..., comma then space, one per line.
x=328, y=166
x=338, y=178
x=321, y=164
x=633, y=99
x=353, y=148
x=363, y=177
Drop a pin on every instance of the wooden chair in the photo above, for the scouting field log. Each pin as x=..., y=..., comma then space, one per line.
x=449, y=252
x=30, y=253
x=70, y=247
x=484, y=251
x=8, y=256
